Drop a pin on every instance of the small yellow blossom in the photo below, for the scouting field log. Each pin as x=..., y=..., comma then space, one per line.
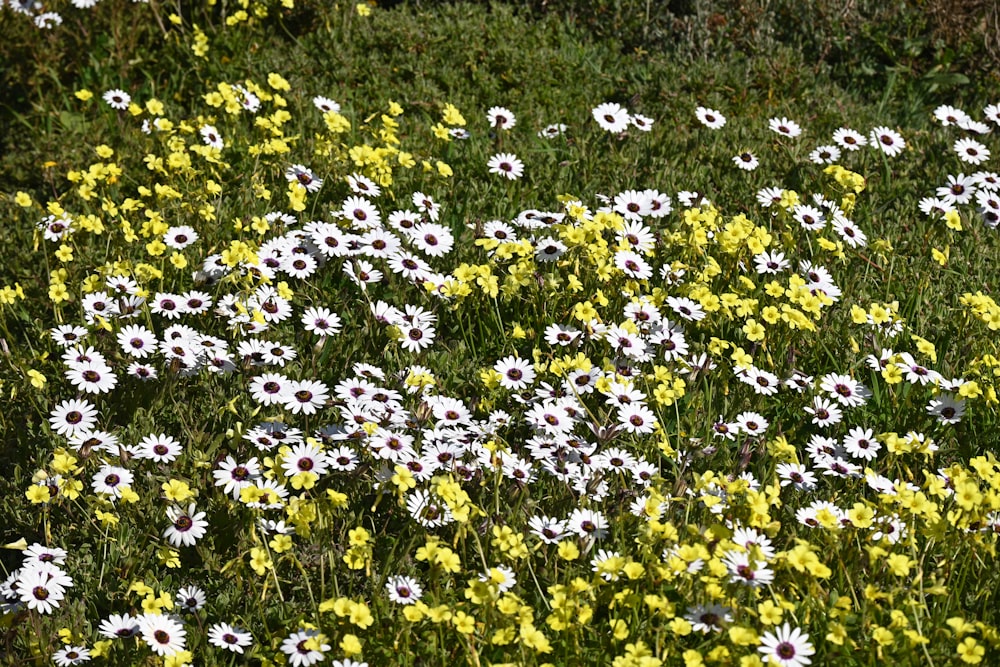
x=177, y=490
x=37, y=379
x=38, y=494
x=970, y=652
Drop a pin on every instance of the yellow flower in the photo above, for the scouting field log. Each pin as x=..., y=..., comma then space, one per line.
x=692, y=658
x=789, y=198
x=337, y=498
x=883, y=636
x=156, y=248
x=753, y=330
x=350, y=644
x=177, y=490
x=361, y=615
x=970, y=651
x=448, y=560
x=38, y=494
x=680, y=626
x=100, y=649
x=899, y=565
x=277, y=81
x=970, y=389
x=837, y=634
x=260, y=561
x=83, y=94
x=106, y=518
x=439, y=614
x=363, y=9
x=741, y=359
x=568, y=551
x=178, y=260
x=584, y=311
x=861, y=515
x=141, y=588
x=953, y=220
x=280, y=543
x=37, y=379
x=169, y=557
x=892, y=374
x=403, y=479
x=151, y=604
x=23, y=199
x=925, y=347
x=770, y=613
x=414, y=613
x=179, y=659
x=452, y=116
x=359, y=536
x=941, y=257
x=967, y=495
x=304, y=480
x=406, y=160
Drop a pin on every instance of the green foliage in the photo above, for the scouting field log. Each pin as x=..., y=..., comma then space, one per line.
x=898, y=566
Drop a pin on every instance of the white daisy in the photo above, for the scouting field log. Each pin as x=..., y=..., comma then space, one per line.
x=611, y=117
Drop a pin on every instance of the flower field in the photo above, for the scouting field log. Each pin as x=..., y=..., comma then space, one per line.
x=350, y=335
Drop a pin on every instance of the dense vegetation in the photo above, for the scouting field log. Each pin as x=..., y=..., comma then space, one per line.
x=499, y=334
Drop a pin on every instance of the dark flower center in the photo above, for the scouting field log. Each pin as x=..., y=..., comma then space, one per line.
x=785, y=651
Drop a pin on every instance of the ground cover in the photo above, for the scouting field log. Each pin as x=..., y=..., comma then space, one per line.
x=337, y=333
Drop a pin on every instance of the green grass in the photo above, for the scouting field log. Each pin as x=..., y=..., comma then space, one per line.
x=835, y=583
